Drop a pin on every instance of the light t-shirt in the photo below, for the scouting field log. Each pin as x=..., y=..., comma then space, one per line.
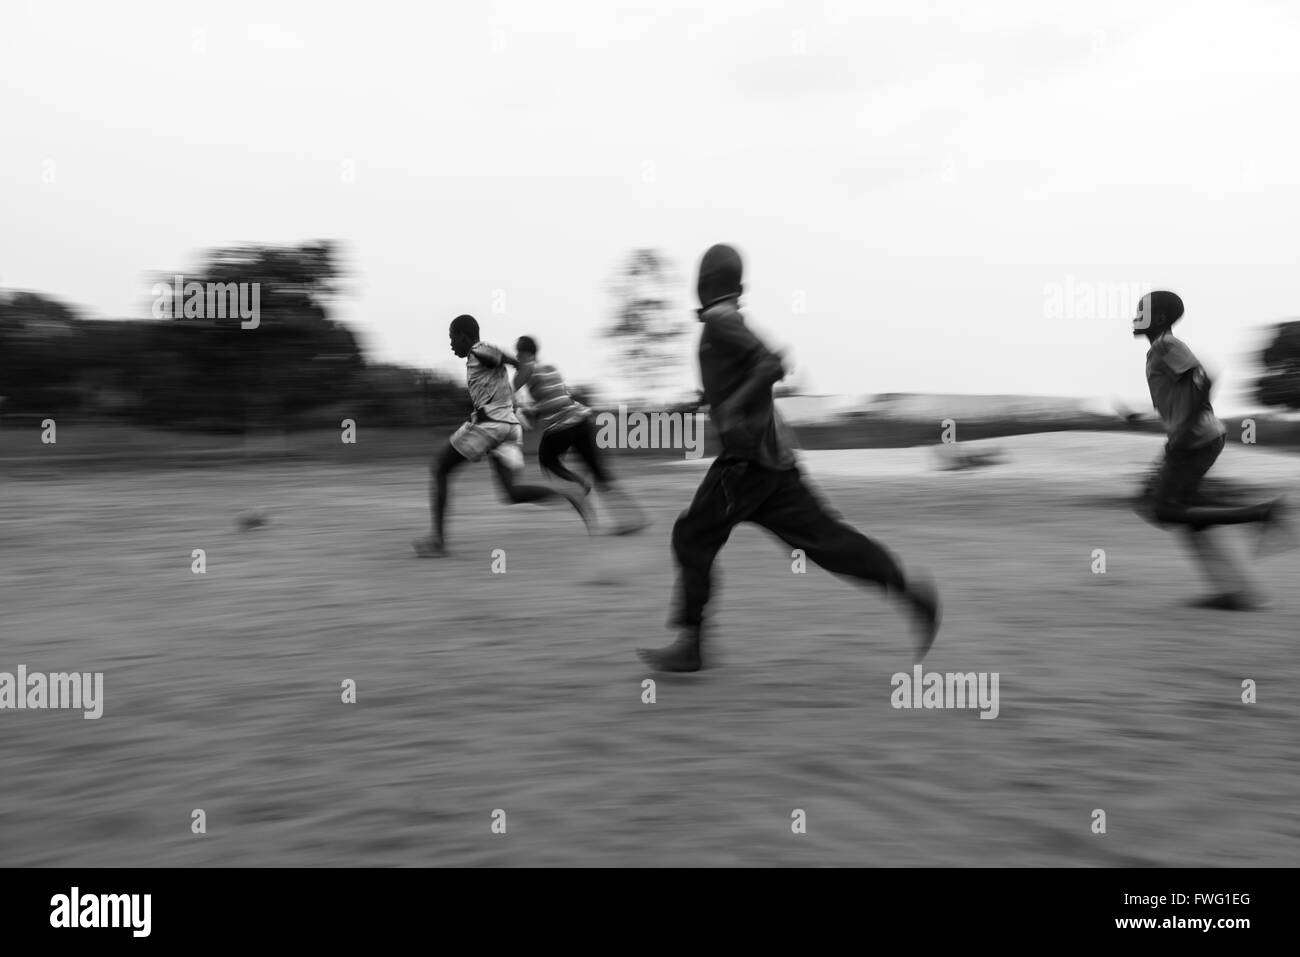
x=489, y=385
x=1172, y=375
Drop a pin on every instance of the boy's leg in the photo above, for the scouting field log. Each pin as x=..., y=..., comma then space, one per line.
x=515, y=492
x=1172, y=500
x=1230, y=588
x=799, y=517
x=585, y=444
x=507, y=466
x=554, y=443
x=722, y=502
x=699, y=534
x=448, y=461
x=1175, y=493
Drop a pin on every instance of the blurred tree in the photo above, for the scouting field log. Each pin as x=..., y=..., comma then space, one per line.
x=646, y=330
x=1279, y=384
x=445, y=399
x=295, y=359
x=192, y=372
x=22, y=306
x=297, y=283
x=396, y=395
x=39, y=351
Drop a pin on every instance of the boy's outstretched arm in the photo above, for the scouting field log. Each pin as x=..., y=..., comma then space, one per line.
x=523, y=374
x=495, y=358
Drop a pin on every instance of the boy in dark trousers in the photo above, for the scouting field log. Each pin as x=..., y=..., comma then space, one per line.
x=568, y=425
x=756, y=478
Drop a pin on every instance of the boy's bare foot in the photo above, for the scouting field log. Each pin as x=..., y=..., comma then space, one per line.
x=682, y=655
x=430, y=547
x=923, y=600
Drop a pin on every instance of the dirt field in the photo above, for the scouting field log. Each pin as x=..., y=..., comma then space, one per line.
x=521, y=691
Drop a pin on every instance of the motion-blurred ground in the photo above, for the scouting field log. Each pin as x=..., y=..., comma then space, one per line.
x=521, y=691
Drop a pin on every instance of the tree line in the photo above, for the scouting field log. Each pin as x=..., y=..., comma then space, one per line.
x=199, y=362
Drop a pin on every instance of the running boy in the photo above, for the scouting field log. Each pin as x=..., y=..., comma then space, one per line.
x=567, y=425
x=492, y=431
x=755, y=478
x=1180, y=392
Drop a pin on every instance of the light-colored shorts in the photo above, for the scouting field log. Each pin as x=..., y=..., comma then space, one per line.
x=502, y=440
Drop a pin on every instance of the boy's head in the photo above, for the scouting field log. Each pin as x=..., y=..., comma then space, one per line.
x=720, y=274
x=526, y=349
x=464, y=334
x=1156, y=314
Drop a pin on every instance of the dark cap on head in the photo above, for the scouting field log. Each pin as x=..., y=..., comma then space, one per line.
x=1157, y=310
x=720, y=274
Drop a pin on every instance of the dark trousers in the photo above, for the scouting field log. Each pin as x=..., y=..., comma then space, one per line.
x=581, y=438
x=736, y=491
x=1173, y=494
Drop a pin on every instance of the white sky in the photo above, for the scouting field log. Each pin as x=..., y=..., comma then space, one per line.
x=918, y=172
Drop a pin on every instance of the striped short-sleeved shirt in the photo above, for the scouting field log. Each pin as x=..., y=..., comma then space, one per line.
x=555, y=407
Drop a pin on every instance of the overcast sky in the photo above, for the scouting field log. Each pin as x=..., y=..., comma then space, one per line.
x=941, y=185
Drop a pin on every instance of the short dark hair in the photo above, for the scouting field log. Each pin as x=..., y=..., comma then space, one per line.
x=1166, y=308
x=526, y=344
x=465, y=325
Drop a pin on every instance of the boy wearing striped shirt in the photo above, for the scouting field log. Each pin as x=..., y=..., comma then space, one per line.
x=568, y=425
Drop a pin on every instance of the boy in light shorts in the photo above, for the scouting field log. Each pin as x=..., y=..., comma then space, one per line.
x=493, y=432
